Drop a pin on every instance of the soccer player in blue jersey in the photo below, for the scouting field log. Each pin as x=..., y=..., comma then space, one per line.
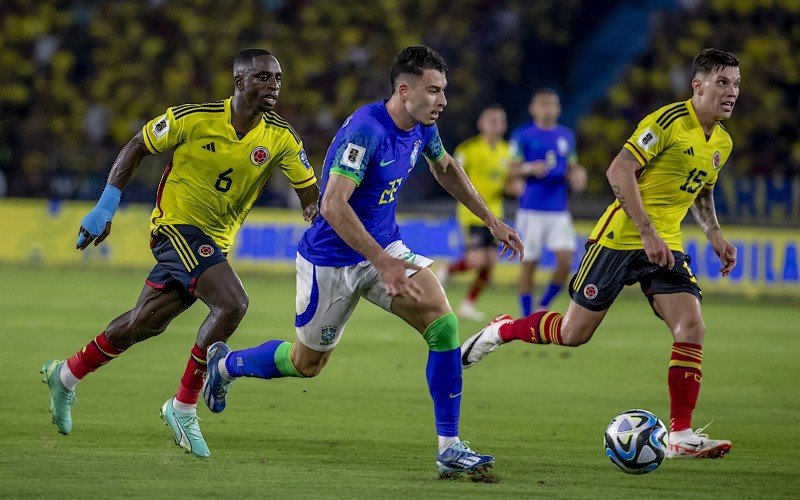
x=543, y=153
x=355, y=249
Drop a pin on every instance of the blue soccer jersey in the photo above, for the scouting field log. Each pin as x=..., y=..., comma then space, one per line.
x=557, y=148
x=378, y=156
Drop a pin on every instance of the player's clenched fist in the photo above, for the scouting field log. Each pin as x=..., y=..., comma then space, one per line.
x=96, y=225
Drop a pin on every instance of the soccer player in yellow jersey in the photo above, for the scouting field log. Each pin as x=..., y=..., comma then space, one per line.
x=484, y=158
x=668, y=167
x=225, y=152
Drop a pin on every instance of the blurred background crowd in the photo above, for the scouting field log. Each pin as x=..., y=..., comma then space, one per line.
x=79, y=78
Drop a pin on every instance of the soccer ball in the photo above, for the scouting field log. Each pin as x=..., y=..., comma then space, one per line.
x=636, y=441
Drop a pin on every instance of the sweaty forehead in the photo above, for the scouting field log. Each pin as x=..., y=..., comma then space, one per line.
x=431, y=78
x=729, y=72
x=260, y=64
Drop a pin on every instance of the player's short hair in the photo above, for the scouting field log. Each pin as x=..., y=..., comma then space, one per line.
x=246, y=56
x=495, y=106
x=710, y=60
x=415, y=60
x=543, y=91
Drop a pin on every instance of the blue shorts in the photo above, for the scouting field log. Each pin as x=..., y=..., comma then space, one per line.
x=183, y=253
x=479, y=237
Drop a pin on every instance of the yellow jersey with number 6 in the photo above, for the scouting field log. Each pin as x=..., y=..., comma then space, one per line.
x=678, y=161
x=215, y=177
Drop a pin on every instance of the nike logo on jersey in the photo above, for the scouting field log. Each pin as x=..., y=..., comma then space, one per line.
x=210, y=147
x=689, y=152
x=387, y=162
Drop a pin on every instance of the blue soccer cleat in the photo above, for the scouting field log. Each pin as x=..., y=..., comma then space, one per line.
x=459, y=457
x=215, y=388
x=61, y=398
x=186, y=428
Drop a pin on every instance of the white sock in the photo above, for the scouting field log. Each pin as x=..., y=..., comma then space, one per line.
x=446, y=441
x=68, y=379
x=183, y=407
x=223, y=370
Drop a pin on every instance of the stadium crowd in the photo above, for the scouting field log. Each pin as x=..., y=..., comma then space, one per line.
x=79, y=77
x=764, y=34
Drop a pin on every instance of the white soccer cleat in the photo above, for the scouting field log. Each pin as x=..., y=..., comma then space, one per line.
x=466, y=310
x=696, y=444
x=482, y=343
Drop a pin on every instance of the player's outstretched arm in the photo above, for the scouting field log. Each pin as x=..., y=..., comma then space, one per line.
x=96, y=225
x=309, y=197
x=452, y=177
x=343, y=219
x=621, y=175
x=705, y=214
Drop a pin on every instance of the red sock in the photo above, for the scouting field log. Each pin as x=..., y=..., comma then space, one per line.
x=684, y=383
x=543, y=327
x=457, y=267
x=192, y=380
x=480, y=281
x=94, y=355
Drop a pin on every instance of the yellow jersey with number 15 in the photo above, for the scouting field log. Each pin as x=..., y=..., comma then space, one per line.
x=678, y=161
x=214, y=177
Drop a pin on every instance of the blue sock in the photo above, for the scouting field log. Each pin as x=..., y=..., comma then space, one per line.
x=444, y=382
x=260, y=361
x=525, y=302
x=549, y=295
x=444, y=373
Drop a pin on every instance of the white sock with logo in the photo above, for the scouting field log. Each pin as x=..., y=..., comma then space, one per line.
x=68, y=379
x=447, y=441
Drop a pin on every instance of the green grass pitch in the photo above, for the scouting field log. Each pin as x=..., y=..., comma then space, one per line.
x=364, y=428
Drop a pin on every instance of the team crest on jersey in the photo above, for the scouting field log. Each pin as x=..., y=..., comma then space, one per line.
x=716, y=159
x=415, y=152
x=205, y=250
x=590, y=291
x=259, y=155
x=304, y=159
x=161, y=127
x=328, y=334
x=647, y=139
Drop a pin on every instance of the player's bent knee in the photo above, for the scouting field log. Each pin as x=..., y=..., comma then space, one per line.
x=235, y=307
x=442, y=333
x=692, y=332
x=574, y=337
x=310, y=369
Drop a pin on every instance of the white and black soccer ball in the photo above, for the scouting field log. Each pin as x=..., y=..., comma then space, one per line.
x=636, y=441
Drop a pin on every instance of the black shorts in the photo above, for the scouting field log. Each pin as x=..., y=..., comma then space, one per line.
x=183, y=253
x=604, y=272
x=479, y=237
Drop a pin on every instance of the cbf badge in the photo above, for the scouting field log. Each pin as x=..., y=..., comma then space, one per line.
x=328, y=334
x=259, y=155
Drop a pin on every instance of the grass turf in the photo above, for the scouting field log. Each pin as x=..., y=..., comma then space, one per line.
x=364, y=428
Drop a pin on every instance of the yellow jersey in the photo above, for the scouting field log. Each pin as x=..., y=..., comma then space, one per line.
x=677, y=161
x=214, y=177
x=487, y=168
